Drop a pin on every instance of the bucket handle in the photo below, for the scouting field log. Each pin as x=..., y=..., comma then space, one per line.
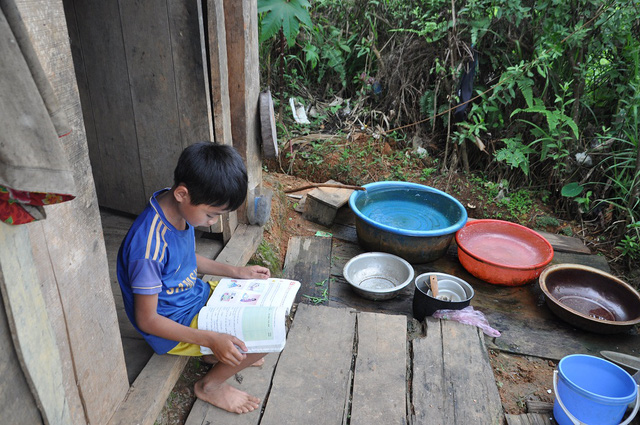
x=574, y=420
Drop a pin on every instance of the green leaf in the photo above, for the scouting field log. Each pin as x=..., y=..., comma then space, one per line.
x=285, y=15
x=571, y=190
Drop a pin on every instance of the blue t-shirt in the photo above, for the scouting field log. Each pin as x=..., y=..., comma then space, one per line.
x=157, y=258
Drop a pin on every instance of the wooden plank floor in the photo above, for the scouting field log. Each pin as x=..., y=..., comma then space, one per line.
x=347, y=364
x=342, y=366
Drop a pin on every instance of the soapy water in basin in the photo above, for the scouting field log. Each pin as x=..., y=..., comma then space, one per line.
x=405, y=209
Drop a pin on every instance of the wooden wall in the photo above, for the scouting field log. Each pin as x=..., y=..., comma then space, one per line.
x=66, y=268
x=144, y=92
x=241, y=18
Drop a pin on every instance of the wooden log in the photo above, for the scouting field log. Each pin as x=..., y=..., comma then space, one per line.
x=313, y=377
x=379, y=393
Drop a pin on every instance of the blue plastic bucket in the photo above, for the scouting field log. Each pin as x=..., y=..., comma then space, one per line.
x=591, y=390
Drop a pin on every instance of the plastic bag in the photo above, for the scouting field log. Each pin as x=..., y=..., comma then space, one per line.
x=468, y=316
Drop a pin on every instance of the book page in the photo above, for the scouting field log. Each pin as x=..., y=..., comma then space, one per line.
x=255, y=292
x=262, y=329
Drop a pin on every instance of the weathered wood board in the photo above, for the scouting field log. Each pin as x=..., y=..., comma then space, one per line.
x=253, y=380
x=379, y=394
x=528, y=326
x=69, y=249
x=32, y=336
x=322, y=203
x=20, y=406
x=313, y=377
x=341, y=294
x=530, y=419
x=453, y=382
x=149, y=391
x=241, y=24
x=95, y=32
x=308, y=260
x=144, y=92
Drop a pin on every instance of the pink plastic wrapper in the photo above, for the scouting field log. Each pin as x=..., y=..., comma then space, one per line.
x=468, y=316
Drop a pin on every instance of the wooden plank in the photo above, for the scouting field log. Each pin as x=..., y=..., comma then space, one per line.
x=331, y=196
x=469, y=376
x=562, y=243
x=430, y=394
x=308, y=261
x=312, y=381
x=322, y=203
x=33, y=337
x=241, y=26
x=253, y=380
x=530, y=419
x=218, y=71
x=20, y=406
x=74, y=247
x=150, y=390
x=101, y=66
x=147, y=395
x=380, y=387
x=240, y=248
x=191, y=81
x=147, y=45
x=341, y=293
x=535, y=406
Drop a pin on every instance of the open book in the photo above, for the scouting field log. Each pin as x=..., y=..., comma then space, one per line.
x=253, y=310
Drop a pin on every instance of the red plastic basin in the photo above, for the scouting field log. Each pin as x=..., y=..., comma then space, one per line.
x=501, y=252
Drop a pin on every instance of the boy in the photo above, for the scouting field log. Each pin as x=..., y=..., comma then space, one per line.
x=157, y=268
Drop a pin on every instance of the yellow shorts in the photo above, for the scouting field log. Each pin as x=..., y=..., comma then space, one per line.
x=188, y=349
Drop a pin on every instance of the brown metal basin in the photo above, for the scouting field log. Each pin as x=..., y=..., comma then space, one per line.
x=590, y=299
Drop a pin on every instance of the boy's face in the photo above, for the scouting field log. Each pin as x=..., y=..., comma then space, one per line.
x=201, y=215
x=197, y=215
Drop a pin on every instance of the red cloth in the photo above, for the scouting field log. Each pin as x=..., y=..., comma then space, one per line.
x=15, y=204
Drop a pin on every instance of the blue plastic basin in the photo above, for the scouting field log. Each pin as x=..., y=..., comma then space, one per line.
x=413, y=221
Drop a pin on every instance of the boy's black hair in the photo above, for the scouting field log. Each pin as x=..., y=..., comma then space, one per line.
x=214, y=175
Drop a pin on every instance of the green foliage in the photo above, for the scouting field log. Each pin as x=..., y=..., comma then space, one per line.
x=550, y=74
x=545, y=221
x=285, y=15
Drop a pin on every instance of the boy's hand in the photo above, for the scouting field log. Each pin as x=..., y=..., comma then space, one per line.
x=225, y=348
x=253, y=272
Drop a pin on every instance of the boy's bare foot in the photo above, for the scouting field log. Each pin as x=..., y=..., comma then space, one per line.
x=228, y=398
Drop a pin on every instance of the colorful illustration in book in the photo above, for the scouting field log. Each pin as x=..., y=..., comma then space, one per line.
x=227, y=296
x=234, y=284
x=248, y=299
x=256, y=287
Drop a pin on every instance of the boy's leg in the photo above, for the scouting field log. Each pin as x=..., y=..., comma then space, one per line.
x=214, y=389
x=211, y=359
